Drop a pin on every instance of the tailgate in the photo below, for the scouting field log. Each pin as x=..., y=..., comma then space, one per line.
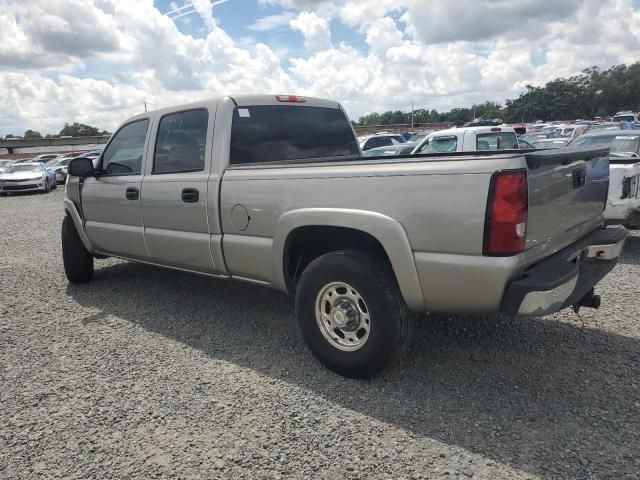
x=567, y=193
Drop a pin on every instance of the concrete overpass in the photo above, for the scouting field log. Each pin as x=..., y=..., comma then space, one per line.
x=12, y=144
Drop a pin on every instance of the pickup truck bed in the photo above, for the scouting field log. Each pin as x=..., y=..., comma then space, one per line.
x=277, y=193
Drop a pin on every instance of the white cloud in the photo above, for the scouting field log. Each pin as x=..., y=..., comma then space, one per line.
x=315, y=30
x=432, y=56
x=271, y=22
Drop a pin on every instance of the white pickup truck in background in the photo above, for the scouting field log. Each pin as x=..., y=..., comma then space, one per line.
x=468, y=139
x=623, y=201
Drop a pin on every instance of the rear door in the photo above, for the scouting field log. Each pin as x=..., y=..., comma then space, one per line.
x=111, y=201
x=174, y=191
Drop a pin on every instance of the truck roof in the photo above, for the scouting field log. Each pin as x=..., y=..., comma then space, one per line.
x=483, y=129
x=245, y=101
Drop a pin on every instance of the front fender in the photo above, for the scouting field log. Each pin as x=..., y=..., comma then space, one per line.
x=72, y=211
x=386, y=230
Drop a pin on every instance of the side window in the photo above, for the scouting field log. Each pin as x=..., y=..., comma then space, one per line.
x=123, y=156
x=181, y=142
x=440, y=145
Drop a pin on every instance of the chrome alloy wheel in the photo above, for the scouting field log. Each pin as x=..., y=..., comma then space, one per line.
x=342, y=316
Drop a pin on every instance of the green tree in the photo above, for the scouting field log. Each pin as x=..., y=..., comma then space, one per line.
x=79, y=130
x=31, y=134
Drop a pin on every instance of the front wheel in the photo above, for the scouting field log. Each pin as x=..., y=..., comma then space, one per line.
x=78, y=262
x=351, y=313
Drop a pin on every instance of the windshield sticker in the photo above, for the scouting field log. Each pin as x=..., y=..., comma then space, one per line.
x=244, y=112
x=628, y=137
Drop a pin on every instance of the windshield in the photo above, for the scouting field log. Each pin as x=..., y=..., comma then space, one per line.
x=23, y=168
x=620, y=144
x=623, y=118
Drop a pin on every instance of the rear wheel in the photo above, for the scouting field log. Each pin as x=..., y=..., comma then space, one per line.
x=78, y=262
x=351, y=313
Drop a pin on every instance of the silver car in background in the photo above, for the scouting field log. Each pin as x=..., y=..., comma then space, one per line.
x=27, y=177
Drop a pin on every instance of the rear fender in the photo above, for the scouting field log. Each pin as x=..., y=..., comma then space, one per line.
x=386, y=230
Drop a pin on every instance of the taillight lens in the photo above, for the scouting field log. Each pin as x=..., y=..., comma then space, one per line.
x=506, y=222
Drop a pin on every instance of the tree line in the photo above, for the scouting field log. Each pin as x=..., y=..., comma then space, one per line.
x=69, y=130
x=592, y=93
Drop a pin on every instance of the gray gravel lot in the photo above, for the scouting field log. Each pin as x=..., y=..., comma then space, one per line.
x=151, y=373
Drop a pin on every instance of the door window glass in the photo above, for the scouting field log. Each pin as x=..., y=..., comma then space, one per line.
x=181, y=142
x=123, y=156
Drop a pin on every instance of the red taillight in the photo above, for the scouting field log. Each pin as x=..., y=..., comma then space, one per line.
x=506, y=223
x=290, y=98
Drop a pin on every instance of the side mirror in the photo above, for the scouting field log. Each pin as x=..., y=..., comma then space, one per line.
x=81, y=167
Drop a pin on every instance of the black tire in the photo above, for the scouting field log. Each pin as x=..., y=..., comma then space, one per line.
x=390, y=320
x=78, y=262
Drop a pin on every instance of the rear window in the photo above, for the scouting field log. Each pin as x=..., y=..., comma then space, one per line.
x=270, y=133
x=623, y=118
x=625, y=144
x=496, y=141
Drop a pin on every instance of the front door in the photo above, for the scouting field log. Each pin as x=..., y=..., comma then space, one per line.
x=174, y=193
x=111, y=201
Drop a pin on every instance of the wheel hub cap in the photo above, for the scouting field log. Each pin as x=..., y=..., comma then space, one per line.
x=342, y=316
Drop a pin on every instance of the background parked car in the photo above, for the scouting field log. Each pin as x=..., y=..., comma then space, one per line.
x=622, y=143
x=26, y=177
x=380, y=140
x=400, y=149
x=544, y=143
x=59, y=168
x=524, y=145
x=4, y=164
x=46, y=157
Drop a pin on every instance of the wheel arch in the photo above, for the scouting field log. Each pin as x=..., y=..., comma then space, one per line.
x=71, y=210
x=367, y=225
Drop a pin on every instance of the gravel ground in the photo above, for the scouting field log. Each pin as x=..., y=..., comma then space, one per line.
x=151, y=373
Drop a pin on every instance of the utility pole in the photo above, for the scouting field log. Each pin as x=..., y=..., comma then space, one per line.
x=412, y=116
x=145, y=105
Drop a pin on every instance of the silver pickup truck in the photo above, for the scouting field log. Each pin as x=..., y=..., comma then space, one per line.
x=273, y=190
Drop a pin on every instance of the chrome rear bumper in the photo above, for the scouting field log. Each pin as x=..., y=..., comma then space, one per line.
x=565, y=278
